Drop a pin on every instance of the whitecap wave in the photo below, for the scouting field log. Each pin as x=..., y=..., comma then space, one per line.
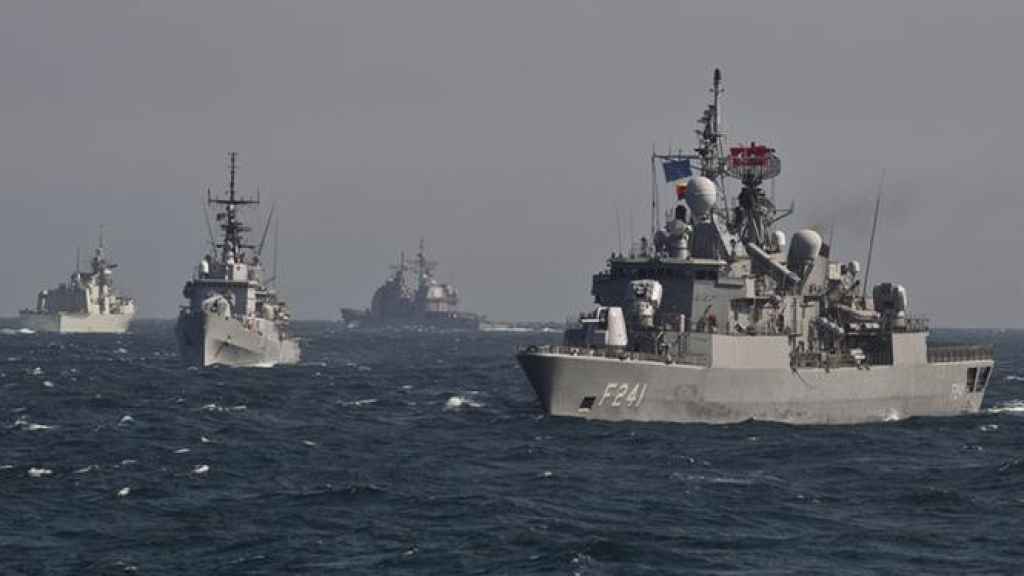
x=23, y=423
x=892, y=415
x=201, y=469
x=214, y=407
x=39, y=472
x=363, y=402
x=1013, y=406
x=460, y=402
x=15, y=331
x=988, y=427
x=1015, y=377
x=124, y=492
x=703, y=479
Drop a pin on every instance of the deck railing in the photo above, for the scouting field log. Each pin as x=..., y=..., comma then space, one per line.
x=938, y=354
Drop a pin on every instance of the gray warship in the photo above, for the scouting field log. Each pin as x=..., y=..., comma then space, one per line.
x=87, y=303
x=716, y=320
x=412, y=298
x=232, y=317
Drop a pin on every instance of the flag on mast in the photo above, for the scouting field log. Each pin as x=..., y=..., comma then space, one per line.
x=678, y=172
x=677, y=169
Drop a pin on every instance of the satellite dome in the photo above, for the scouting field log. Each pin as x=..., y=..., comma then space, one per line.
x=804, y=247
x=701, y=195
x=780, y=239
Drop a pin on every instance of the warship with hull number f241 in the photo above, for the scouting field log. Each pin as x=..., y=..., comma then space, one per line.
x=86, y=304
x=413, y=298
x=232, y=317
x=716, y=319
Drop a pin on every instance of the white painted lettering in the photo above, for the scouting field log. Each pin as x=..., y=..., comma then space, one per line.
x=607, y=392
x=631, y=399
x=623, y=389
x=643, y=391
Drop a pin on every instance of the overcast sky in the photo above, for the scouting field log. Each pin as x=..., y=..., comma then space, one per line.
x=506, y=133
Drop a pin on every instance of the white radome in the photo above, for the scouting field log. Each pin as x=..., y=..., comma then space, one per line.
x=701, y=195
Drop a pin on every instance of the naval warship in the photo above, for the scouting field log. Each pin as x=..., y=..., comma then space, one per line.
x=88, y=303
x=412, y=298
x=232, y=317
x=719, y=317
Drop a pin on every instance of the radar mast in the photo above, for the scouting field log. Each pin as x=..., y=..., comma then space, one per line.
x=233, y=243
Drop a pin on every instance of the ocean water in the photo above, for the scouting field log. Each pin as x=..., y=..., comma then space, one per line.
x=391, y=453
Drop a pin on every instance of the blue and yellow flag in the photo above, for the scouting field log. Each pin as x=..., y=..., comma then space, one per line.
x=676, y=170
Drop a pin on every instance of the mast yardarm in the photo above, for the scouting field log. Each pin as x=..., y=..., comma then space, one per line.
x=232, y=244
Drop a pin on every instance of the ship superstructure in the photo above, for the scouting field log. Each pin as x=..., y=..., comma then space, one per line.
x=87, y=303
x=720, y=317
x=233, y=317
x=413, y=297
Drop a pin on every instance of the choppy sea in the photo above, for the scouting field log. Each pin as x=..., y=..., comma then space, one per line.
x=415, y=453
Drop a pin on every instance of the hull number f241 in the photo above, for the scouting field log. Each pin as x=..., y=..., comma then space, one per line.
x=623, y=394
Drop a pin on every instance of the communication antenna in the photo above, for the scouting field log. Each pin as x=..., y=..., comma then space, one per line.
x=78, y=259
x=618, y=226
x=266, y=229
x=654, y=191
x=277, y=222
x=874, y=228
x=206, y=218
x=631, y=232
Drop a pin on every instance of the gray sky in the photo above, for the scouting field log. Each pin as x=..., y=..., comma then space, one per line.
x=507, y=133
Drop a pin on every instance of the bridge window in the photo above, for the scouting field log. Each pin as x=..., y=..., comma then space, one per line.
x=972, y=379
x=983, y=378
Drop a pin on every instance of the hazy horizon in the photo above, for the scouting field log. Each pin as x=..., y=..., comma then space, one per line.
x=508, y=135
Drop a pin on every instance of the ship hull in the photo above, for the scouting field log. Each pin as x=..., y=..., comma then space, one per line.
x=70, y=323
x=206, y=339
x=611, y=389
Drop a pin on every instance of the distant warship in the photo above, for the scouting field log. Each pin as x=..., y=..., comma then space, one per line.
x=232, y=317
x=716, y=320
x=88, y=303
x=411, y=297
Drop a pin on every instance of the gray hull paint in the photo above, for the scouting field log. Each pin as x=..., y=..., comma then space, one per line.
x=207, y=339
x=69, y=323
x=651, y=391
